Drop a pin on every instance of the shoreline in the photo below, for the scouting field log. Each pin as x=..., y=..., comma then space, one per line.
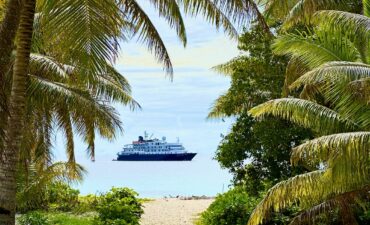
x=178, y=210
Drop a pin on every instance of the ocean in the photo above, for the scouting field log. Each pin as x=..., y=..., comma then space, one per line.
x=171, y=109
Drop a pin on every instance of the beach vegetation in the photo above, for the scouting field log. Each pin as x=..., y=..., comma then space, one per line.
x=119, y=206
x=232, y=207
x=33, y=218
x=256, y=152
x=325, y=91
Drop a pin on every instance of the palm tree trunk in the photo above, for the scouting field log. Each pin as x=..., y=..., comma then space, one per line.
x=15, y=122
x=8, y=31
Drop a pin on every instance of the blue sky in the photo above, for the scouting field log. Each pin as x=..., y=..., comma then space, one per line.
x=173, y=109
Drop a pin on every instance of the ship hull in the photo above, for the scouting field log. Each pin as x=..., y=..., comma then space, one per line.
x=157, y=157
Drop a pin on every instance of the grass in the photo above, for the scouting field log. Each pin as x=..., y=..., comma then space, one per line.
x=69, y=219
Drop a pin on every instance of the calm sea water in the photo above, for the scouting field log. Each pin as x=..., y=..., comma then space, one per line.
x=176, y=109
x=202, y=176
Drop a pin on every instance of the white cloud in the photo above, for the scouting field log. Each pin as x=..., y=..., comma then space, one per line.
x=206, y=55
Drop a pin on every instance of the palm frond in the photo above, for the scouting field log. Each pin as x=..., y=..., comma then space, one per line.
x=220, y=108
x=65, y=124
x=351, y=147
x=355, y=26
x=170, y=10
x=360, y=89
x=316, y=49
x=46, y=66
x=279, y=8
x=334, y=72
x=147, y=32
x=305, y=113
x=336, y=80
x=86, y=32
x=306, y=190
x=345, y=200
x=113, y=87
x=215, y=14
x=366, y=7
x=287, y=193
x=303, y=10
x=295, y=68
x=353, y=22
x=228, y=67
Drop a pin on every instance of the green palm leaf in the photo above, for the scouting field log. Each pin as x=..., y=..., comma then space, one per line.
x=350, y=22
x=305, y=113
x=336, y=80
x=216, y=14
x=343, y=202
x=306, y=190
x=317, y=49
x=303, y=10
x=169, y=9
x=351, y=147
x=228, y=67
x=334, y=72
x=287, y=193
x=147, y=32
x=87, y=33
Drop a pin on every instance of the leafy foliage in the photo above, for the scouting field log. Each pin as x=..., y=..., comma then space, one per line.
x=33, y=218
x=66, y=218
x=119, y=206
x=62, y=197
x=258, y=152
x=339, y=162
x=232, y=207
x=35, y=186
x=256, y=76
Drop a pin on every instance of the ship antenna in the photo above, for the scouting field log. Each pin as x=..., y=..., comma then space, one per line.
x=145, y=135
x=178, y=140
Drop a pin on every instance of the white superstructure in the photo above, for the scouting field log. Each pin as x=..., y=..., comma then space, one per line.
x=153, y=146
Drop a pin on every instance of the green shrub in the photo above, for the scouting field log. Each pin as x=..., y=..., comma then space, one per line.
x=231, y=208
x=33, y=218
x=62, y=218
x=120, y=206
x=62, y=197
x=86, y=203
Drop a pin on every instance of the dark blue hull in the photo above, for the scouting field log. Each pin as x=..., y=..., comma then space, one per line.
x=157, y=157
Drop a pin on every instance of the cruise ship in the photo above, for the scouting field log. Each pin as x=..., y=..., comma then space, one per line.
x=154, y=150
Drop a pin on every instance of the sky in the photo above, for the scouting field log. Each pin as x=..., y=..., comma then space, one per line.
x=173, y=109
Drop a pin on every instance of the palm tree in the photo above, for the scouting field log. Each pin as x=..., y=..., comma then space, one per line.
x=15, y=121
x=336, y=105
x=292, y=12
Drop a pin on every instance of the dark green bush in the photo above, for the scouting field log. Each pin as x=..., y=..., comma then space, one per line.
x=120, y=206
x=33, y=218
x=231, y=208
x=62, y=197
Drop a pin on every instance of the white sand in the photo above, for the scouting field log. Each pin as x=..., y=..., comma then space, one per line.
x=173, y=211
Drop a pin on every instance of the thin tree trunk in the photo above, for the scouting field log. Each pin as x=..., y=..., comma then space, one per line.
x=8, y=31
x=16, y=119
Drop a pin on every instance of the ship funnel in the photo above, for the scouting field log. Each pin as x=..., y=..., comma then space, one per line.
x=141, y=138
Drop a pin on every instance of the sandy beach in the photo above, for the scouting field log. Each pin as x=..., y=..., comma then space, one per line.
x=173, y=211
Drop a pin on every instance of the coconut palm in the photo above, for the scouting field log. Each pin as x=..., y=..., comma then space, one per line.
x=298, y=11
x=336, y=89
